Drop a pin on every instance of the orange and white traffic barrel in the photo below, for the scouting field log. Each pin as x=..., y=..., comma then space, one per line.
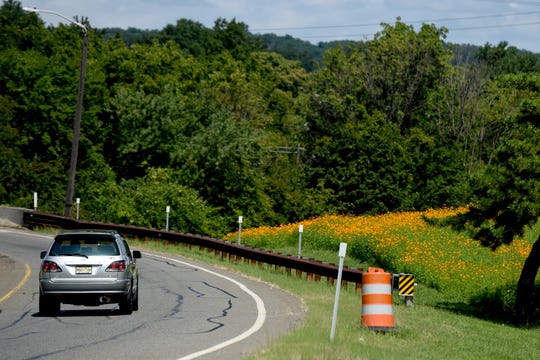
x=377, y=310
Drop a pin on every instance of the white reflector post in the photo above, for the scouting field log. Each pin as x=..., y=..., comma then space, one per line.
x=300, y=231
x=240, y=219
x=342, y=252
x=167, y=212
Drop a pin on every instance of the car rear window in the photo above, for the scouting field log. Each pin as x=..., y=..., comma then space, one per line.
x=83, y=244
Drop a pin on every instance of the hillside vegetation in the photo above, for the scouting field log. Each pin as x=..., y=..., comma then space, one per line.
x=450, y=262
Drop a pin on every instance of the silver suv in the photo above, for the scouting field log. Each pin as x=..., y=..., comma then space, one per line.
x=88, y=267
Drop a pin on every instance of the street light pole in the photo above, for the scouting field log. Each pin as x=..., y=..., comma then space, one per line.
x=78, y=110
x=76, y=128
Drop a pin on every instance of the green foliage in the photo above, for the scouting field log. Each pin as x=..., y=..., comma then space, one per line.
x=401, y=67
x=377, y=126
x=367, y=133
x=504, y=59
x=195, y=39
x=219, y=161
x=129, y=36
x=192, y=37
x=366, y=166
x=506, y=192
x=308, y=55
x=17, y=30
x=235, y=38
x=10, y=154
x=143, y=201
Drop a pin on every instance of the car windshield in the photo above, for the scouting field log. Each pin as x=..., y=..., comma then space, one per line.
x=84, y=245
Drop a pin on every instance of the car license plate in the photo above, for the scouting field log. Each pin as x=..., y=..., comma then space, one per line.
x=83, y=269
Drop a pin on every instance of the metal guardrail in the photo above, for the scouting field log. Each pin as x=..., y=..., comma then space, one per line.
x=314, y=269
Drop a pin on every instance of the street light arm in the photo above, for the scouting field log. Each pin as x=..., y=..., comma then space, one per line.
x=34, y=10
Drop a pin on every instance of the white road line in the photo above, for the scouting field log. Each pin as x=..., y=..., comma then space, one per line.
x=261, y=311
x=23, y=231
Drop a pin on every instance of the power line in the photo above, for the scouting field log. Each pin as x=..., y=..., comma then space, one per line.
x=494, y=26
x=412, y=22
x=449, y=29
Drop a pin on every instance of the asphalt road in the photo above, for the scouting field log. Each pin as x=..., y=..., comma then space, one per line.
x=188, y=310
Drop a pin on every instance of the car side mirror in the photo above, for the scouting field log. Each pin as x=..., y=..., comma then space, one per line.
x=137, y=254
x=42, y=255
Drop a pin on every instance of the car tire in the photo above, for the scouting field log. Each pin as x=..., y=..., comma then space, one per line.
x=48, y=305
x=126, y=304
x=135, y=302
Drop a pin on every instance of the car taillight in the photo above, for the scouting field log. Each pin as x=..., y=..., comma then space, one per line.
x=117, y=266
x=50, y=266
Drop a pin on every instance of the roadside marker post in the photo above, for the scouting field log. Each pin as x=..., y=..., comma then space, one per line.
x=240, y=219
x=167, y=212
x=35, y=201
x=300, y=231
x=342, y=252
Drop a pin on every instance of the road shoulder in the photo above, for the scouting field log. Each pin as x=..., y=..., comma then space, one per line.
x=12, y=272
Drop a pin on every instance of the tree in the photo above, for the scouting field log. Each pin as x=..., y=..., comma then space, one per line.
x=401, y=67
x=40, y=69
x=221, y=162
x=143, y=201
x=506, y=192
x=235, y=38
x=504, y=59
x=291, y=48
x=192, y=37
x=17, y=30
x=357, y=155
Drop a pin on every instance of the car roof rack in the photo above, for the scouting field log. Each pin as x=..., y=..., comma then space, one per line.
x=78, y=231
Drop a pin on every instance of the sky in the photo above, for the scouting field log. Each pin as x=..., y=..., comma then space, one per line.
x=475, y=22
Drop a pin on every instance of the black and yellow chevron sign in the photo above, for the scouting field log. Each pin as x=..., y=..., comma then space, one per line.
x=406, y=285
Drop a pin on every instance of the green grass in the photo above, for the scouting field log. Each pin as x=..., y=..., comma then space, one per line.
x=437, y=327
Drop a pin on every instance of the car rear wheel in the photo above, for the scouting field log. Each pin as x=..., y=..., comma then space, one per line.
x=135, y=301
x=126, y=304
x=48, y=305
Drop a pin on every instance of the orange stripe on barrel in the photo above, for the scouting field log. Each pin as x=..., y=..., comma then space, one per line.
x=377, y=299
